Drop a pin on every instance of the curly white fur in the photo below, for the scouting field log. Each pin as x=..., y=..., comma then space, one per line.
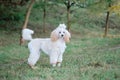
x=27, y=34
x=53, y=46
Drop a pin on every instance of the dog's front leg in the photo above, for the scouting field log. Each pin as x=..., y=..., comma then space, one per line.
x=59, y=60
x=53, y=59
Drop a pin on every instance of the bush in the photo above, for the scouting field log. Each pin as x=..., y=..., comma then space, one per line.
x=10, y=15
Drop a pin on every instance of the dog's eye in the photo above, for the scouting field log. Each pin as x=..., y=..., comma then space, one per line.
x=59, y=32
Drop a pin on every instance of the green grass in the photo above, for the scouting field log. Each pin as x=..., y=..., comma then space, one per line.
x=84, y=59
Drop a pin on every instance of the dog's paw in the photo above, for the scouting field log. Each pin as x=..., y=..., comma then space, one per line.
x=53, y=65
x=34, y=67
x=59, y=64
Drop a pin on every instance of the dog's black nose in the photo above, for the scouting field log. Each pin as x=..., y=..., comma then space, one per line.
x=62, y=35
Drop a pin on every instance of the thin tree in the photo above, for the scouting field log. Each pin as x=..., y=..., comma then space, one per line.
x=44, y=16
x=102, y=6
x=68, y=4
x=107, y=22
x=43, y=4
x=112, y=8
x=26, y=19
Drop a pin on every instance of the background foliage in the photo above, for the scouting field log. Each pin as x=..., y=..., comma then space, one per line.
x=13, y=13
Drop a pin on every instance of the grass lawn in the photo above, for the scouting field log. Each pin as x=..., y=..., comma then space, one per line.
x=84, y=59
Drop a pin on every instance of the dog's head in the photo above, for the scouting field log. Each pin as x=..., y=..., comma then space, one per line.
x=60, y=33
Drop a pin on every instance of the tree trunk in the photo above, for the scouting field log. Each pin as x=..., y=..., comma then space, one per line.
x=106, y=25
x=27, y=18
x=107, y=22
x=68, y=5
x=68, y=19
x=28, y=14
x=44, y=18
x=68, y=15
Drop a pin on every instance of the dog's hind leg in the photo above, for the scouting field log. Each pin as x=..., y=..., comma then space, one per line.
x=33, y=58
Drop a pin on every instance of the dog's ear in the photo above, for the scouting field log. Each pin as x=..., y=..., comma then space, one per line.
x=54, y=36
x=67, y=36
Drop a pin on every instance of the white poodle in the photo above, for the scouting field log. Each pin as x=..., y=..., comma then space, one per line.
x=54, y=46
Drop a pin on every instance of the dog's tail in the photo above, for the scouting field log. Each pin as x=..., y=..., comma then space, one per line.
x=27, y=34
